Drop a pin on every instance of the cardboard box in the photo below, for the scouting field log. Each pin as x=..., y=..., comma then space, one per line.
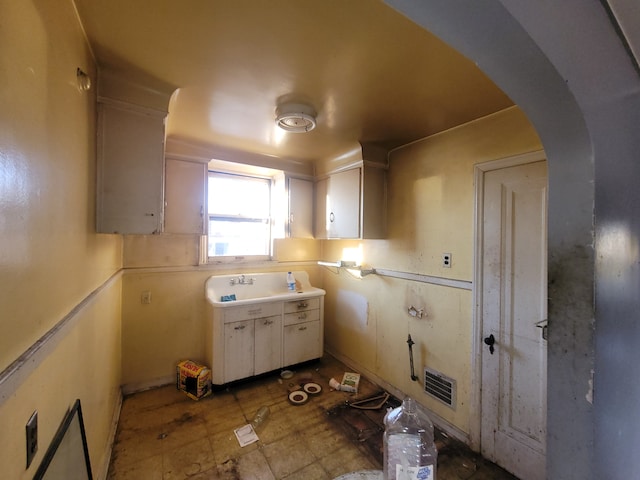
x=350, y=382
x=193, y=379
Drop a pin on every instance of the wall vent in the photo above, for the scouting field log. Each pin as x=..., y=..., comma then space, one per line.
x=440, y=387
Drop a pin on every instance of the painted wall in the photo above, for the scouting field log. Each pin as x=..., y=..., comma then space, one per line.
x=51, y=261
x=430, y=211
x=568, y=68
x=156, y=336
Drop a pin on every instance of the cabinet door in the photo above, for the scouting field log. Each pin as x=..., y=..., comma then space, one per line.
x=321, y=220
x=343, y=204
x=184, y=195
x=268, y=344
x=302, y=342
x=130, y=170
x=238, y=350
x=300, y=208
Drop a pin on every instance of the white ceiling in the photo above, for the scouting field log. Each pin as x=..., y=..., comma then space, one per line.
x=371, y=74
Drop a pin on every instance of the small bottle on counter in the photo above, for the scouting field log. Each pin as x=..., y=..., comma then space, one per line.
x=291, y=282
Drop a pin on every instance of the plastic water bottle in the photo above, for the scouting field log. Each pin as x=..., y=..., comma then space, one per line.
x=409, y=450
x=291, y=282
x=260, y=417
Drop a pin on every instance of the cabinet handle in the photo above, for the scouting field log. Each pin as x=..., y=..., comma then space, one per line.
x=302, y=328
x=241, y=327
x=302, y=316
x=303, y=304
x=332, y=217
x=268, y=322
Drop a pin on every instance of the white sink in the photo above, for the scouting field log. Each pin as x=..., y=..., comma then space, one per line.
x=256, y=288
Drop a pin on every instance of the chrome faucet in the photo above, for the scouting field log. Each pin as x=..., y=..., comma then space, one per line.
x=241, y=280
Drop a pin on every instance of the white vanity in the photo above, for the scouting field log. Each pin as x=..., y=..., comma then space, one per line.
x=255, y=324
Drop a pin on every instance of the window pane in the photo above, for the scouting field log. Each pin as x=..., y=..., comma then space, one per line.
x=239, y=215
x=238, y=195
x=238, y=238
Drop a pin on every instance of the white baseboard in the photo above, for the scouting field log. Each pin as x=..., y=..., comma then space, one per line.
x=102, y=472
x=136, y=387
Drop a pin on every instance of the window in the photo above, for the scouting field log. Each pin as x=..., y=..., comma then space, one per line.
x=239, y=208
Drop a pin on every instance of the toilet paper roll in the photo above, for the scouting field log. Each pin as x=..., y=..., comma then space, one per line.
x=333, y=383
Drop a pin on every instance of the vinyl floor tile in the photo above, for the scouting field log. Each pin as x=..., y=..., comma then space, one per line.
x=164, y=435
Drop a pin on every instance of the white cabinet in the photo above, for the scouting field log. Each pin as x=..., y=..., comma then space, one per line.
x=352, y=204
x=300, y=208
x=185, y=196
x=252, y=339
x=130, y=174
x=303, y=336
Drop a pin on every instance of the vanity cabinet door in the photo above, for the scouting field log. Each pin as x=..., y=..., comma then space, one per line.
x=130, y=169
x=184, y=194
x=239, y=350
x=300, y=208
x=343, y=204
x=268, y=344
x=302, y=342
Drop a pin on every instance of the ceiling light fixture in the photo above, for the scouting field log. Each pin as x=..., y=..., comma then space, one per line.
x=296, y=118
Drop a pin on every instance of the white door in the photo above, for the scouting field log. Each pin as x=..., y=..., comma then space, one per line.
x=514, y=307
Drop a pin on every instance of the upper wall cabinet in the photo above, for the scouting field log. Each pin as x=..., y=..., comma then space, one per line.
x=130, y=168
x=300, y=208
x=352, y=204
x=185, y=195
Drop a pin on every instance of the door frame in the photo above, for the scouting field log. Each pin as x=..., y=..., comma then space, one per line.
x=480, y=169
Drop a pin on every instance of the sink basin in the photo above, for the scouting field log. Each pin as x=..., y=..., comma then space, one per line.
x=250, y=288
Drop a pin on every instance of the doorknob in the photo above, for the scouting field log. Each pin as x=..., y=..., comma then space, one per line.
x=543, y=324
x=490, y=340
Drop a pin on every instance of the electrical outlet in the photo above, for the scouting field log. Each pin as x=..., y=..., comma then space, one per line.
x=446, y=260
x=32, y=437
x=145, y=297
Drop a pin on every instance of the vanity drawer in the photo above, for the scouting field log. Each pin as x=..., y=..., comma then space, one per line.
x=301, y=305
x=301, y=316
x=245, y=312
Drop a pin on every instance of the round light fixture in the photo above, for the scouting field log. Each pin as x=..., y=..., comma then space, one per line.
x=296, y=118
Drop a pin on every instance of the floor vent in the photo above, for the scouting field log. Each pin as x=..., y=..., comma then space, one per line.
x=440, y=387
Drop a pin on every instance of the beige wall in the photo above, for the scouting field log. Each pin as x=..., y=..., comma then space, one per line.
x=430, y=211
x=50, y=258
x=156, y=336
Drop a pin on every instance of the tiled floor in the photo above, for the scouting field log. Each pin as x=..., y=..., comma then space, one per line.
x=164, y=435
